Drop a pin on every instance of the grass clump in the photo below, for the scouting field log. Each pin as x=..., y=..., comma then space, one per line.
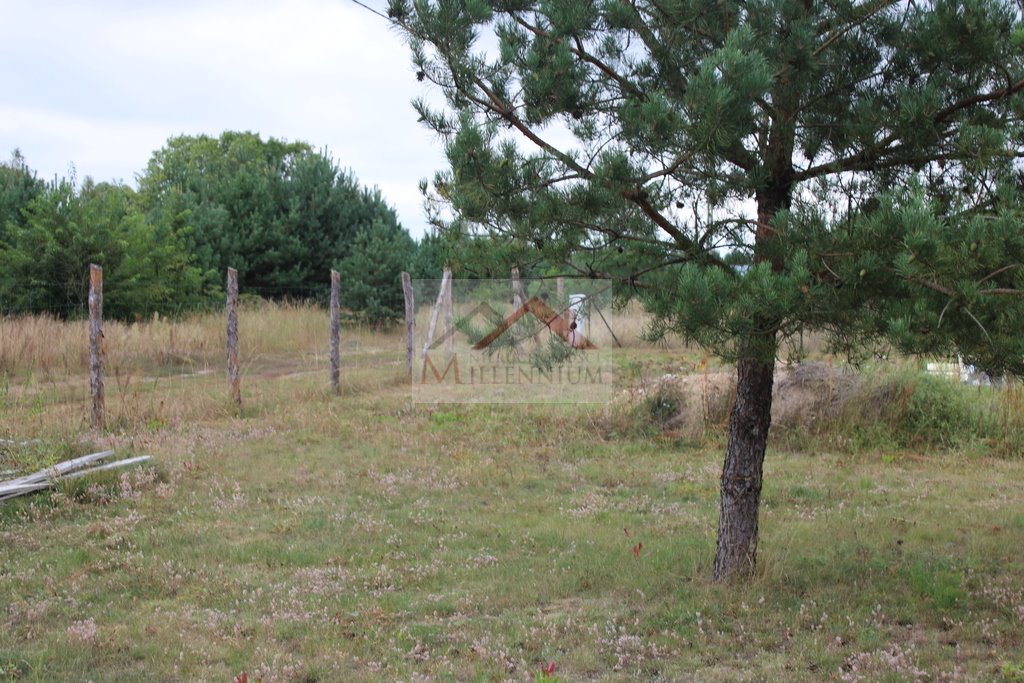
x=663, y=405
x=19, y=458
x=822, y=405
x=937, y=581
x=912, y=409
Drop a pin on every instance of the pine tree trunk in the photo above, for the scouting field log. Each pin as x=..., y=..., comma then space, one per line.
x=736, y=554
x=751, y=417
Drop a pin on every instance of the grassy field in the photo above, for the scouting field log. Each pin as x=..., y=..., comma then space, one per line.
x=309, y=537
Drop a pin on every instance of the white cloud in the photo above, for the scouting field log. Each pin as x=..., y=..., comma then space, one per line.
x=104, y=84
x=106, y=149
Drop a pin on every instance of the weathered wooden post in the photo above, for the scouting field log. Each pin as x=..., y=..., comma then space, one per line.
x=234, y=374
x=96, y=344
x=435, y=312
x=560, y=293
x=335, y=325
x=518, y=301
x=518, y=298
x=410, y=320
x=449, y=315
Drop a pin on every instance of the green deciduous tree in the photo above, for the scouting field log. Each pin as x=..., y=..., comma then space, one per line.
x=855, y=152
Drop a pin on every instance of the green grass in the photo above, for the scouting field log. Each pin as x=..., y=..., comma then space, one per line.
x=319, y=538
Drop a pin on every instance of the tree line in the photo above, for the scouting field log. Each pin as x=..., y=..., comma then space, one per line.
x=281, y=213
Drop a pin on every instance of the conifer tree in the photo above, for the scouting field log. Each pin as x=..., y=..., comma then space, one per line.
x=18, y=186
x=280, y=213
x=859, y=153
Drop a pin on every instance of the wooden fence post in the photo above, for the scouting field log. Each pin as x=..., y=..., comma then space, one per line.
x=449, y=315
x=518, y=301
x=518, y=297
x=435, y=312
x=335, y=325
x=96, y=344
x=234, y=374
x=560, y=293
x=410, y=320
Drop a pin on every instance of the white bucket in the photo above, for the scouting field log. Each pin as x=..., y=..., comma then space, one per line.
x=577, y=312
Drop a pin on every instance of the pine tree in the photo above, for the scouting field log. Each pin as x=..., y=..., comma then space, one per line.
x=18, y=186
x=44, y=262
x=279, y=212
x=857, y=154
x=370, y=272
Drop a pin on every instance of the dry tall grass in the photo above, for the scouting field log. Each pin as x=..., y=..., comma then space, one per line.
x=167, y=371
x=49, y=349
x=170, y=371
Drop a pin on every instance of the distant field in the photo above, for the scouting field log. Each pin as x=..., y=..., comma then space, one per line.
x=310, y=537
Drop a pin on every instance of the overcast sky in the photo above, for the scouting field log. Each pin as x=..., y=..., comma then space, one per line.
x=104, y=83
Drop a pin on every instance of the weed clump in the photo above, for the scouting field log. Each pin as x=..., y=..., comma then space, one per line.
x=911, y=409
x=693, y=407
x=821, y=405
x=664, y=404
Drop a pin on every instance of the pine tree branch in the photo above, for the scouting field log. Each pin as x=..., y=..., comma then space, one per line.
x=999, y=271
x=633, y=278
x=846, y=88
x=656, y=47
x=872, y=10
x=934, y=286
x=664, y=264
x=550, y=182
x=1010, y=89
x=580, y=51
x=638, y=196
x=616, y=234
x=952, y=294
x=495, y=104
x=693, y=28
x=740, y=157
x=871, y=157
x=978, y=323
x=676, y=164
